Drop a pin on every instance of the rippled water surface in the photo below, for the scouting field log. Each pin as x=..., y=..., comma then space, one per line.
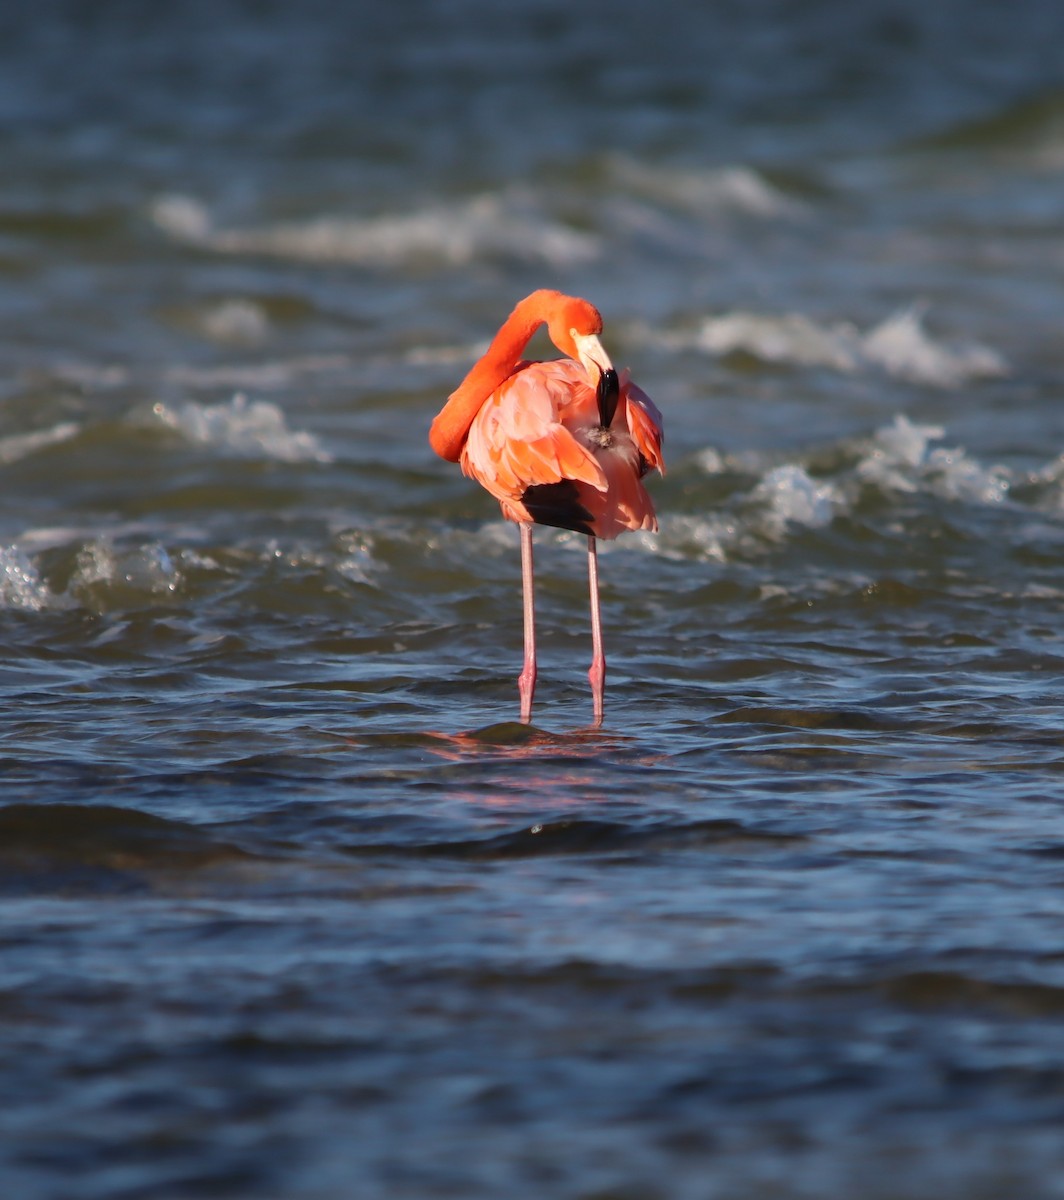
x=293, y=907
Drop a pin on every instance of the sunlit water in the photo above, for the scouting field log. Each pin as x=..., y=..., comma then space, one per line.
x=293, y=907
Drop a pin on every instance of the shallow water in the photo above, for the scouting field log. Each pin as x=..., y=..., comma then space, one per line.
x=293, y=906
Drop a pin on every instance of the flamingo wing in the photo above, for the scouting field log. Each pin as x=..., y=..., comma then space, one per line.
x=644, y=424
x=517, y=441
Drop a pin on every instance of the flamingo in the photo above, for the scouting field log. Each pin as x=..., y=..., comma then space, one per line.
x=563, y=443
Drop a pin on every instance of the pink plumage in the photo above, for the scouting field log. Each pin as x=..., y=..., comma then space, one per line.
x=542, y=428
x=564, y=443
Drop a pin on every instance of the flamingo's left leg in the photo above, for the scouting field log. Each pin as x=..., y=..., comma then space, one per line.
x=597, y=673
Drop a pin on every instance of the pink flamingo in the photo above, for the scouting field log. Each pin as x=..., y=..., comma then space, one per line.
x=563, y=443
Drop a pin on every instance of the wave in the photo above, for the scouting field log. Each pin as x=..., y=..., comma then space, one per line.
x=758, y=504
x=132, y=574
x=790, y=496
x=86, y=846
x=730, y=507
x=899, y=460
x=22, y=445
x=250, y=429
x=271, y=375
x=262, y=375
x=236, y=322
x=21, y=587
x=96, y=574
x=135, y=566
x=900, y=346
x=711, y=191
x=1030, y=130
x=486, y=226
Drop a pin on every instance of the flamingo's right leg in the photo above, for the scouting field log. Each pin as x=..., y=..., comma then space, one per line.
x=526, y=681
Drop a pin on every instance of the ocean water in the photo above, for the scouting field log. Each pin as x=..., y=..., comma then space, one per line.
x=292, y=906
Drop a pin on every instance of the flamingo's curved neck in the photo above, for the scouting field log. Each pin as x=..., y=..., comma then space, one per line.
x=450, y=428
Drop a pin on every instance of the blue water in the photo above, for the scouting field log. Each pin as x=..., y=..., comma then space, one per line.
x=293, y=906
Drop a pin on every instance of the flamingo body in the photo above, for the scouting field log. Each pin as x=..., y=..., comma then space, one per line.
x=564, y=443
x=539, y=447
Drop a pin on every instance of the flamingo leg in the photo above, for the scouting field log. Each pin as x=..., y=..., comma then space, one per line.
x=597, y=673
x=526, y=681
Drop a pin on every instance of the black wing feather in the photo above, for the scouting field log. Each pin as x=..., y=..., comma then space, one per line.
x=558, y=504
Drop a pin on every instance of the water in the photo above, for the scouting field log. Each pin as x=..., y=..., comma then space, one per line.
x=293, y=907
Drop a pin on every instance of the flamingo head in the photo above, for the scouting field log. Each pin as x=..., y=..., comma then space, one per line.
x=574, y=326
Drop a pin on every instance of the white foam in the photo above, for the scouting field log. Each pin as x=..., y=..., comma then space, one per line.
x=50, y=537
x=443, y=356
x=956, y=476
x=96, y=563
x=786, y=498
x=239, y=322
x=714, y=190
x=91, y=375
x=793, y=497
x=21, y=445
x=903, y=348
x=358, y=562
x=903, y=442
x=791, y=339
x=147, y=568
x=182, y=217
x=493, y=539
x=21, y=586
x=1049, y=485
x=265, y=375
x=900, y=459
x=249, y=429
x=681, y=536
x=899, y=345
x=710, y=461
x=150, y=568
x=455, y=234
x=896, y=454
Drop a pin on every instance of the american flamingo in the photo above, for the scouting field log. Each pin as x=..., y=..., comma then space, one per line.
x=563, y=443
